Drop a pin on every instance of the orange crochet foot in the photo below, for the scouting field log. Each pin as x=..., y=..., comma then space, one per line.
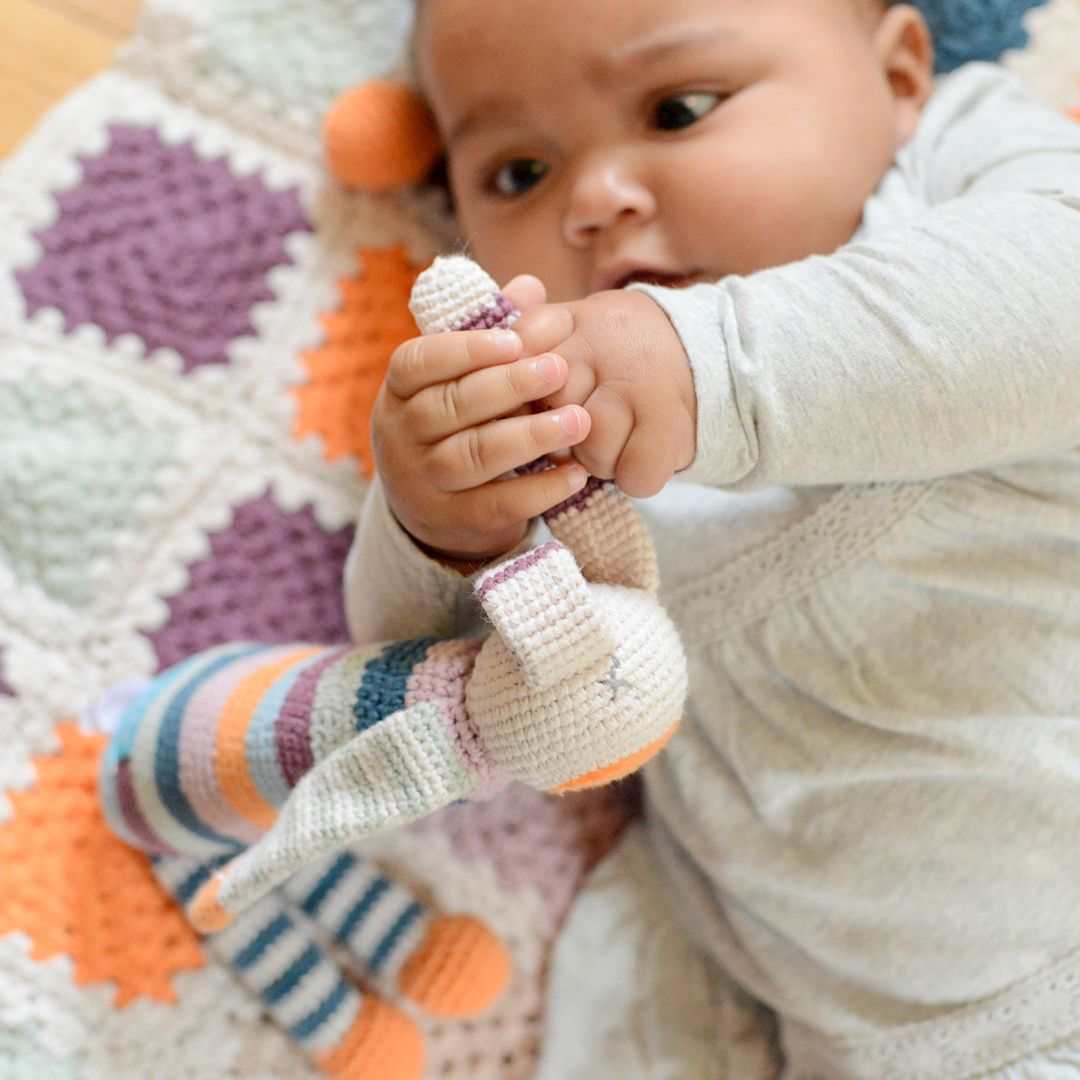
x=383, y=1044
x=460, y=968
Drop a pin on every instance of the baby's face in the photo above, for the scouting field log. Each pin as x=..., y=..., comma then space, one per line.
x=596, y=142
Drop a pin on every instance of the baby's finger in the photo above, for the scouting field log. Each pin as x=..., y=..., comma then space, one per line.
x=544, y=328
x=612, y=424
x=506, y=502
x=479, y=455
x=580, y=382
x=642, y=469
x=438, y=411
x=525, y=291
x=423, y=361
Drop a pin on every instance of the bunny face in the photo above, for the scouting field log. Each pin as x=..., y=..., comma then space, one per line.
x=580, y=683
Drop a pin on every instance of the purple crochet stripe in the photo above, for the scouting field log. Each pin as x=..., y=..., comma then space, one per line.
x=129, y=807
x=488, y=317
x=576, y=501
x=292, y=726
x=518, y=566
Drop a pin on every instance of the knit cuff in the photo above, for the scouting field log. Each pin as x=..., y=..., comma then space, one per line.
x=702, y=318
x=394, y=590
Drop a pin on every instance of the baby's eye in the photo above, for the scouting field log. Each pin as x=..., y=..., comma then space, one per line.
x=682, y=110
x=518, y=176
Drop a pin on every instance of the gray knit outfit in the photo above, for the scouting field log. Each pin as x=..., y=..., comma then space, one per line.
x=870, y=819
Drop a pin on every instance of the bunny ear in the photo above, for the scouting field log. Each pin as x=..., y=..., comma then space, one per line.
x=539, y=604
x=396, y=772
x=607, y=535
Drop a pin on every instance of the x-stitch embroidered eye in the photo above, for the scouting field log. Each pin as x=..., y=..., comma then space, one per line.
x=612, y=680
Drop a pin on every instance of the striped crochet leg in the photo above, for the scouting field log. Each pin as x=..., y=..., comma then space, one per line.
x=449, y=965
x=349, y=1034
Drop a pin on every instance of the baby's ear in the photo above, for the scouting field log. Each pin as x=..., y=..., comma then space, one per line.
x=906, y=51
x=539, y=604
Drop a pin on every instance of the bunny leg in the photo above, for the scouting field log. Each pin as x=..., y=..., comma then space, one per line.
x=349, y=1034
x=449, y=965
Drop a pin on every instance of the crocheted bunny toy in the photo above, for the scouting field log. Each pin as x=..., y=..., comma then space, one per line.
x=293, y=753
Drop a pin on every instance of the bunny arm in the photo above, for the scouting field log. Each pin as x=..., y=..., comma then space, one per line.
x=404, y=768
x=206, y=753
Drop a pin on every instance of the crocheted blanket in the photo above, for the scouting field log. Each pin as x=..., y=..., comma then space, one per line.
x=194, y=319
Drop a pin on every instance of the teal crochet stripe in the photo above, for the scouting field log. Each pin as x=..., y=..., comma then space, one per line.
x=382, y=691
x=206, y=754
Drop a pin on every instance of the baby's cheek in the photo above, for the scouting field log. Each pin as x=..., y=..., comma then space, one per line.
x=781, y=231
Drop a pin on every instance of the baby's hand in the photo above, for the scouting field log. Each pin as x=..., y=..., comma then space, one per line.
x=451, y=420
x=629, y=370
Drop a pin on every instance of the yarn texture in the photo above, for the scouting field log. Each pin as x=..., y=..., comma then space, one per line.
x=194, y=321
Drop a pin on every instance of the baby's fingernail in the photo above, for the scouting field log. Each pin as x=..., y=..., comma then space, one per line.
x=549, y=367
x=570, y=422
x=506, y=341
x=576, y=477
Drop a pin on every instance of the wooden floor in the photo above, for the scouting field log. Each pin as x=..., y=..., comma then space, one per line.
x=48, y=47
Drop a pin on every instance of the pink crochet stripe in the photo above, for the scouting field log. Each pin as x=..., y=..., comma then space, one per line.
x=517, y=566
x=489, y=316
x=578, y=500
x=133, y=818
x=292, y=726
x=443, y=676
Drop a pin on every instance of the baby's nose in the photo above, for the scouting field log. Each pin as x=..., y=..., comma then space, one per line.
x=606, y=191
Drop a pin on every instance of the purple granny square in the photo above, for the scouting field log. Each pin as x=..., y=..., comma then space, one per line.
x=271, y=577
x=155, y=241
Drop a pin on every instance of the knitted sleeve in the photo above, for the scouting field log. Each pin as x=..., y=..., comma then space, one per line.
x=392, y=589
x=944, y=338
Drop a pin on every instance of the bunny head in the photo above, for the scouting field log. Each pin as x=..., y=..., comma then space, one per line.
x=580, y=682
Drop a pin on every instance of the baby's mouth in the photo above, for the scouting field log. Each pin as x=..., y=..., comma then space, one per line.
x=662, y=278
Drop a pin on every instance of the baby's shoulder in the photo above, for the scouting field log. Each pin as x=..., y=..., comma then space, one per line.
x=978, y=117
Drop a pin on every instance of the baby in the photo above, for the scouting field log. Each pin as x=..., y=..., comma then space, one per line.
x=759, y=247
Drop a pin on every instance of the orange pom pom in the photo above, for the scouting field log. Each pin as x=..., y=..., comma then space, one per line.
x=380, y=136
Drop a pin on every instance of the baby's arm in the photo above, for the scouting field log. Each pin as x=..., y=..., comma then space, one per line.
x=947, y=342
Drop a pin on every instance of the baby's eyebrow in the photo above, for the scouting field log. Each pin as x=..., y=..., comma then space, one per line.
x=487, y=111
x=668, y=39
x=650, y=48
